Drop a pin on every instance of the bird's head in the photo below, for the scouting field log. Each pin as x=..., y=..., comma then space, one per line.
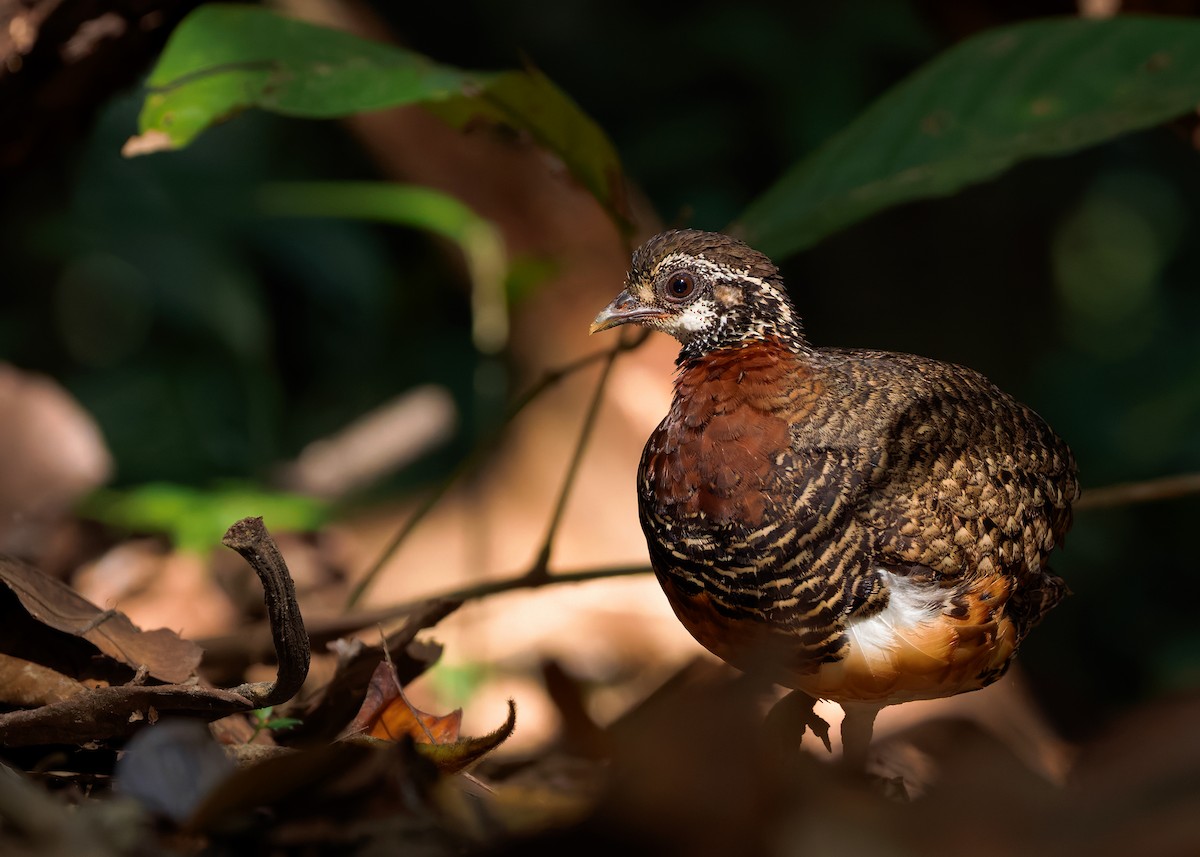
x=707, y=290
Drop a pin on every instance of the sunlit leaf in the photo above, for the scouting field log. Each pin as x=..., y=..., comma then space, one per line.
x=387, y=715
x=224, y=58
x=465, y=752
x=1038, y=88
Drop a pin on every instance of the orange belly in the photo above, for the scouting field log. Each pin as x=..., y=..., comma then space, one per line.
x=947, y=655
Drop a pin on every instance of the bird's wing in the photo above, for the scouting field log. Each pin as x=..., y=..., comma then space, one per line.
x=971, y=480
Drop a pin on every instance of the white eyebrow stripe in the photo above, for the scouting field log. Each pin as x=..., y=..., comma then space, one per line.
x=712, y=269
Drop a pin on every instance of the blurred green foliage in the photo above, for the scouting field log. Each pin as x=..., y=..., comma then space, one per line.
x=422, y=208
x=212, y=340
x=197, y=518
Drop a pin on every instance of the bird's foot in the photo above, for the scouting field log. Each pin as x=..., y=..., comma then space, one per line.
x=791, y=716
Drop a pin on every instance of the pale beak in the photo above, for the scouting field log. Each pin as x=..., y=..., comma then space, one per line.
x=623, y=310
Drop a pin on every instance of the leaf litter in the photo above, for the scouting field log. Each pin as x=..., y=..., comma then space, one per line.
x=352, y=766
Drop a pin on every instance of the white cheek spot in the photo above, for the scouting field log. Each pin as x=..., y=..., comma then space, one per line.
x=694, y=318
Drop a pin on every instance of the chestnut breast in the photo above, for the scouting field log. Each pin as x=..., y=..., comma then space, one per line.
x=718, y=452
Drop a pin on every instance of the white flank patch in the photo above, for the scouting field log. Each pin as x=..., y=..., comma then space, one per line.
x=910, y=607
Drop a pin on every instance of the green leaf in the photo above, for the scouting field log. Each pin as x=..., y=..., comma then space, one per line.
x=195, y=518
x=223, y=59
x=1039, y=88
x=280, y=723
x=530, y=101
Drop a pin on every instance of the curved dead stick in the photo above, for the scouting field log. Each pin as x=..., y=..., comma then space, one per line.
x=249, y=537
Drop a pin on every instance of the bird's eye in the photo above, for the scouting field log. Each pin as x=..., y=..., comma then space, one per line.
x=680, y=285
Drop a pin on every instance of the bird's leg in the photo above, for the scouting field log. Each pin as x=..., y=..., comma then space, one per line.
x=857, y=727
x=790, y=716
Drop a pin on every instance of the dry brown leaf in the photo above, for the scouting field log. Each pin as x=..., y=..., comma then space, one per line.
x=24, y=684
x=165, y=655
x=461, y=754
x=386, y=714
x=400, y=718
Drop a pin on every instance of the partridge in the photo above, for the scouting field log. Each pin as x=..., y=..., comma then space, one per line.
x=872, y=526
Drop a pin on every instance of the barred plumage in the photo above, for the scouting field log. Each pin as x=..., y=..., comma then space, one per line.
x=876, y=523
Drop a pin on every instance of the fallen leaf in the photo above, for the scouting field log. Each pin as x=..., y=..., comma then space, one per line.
x=387, y=715
x=165, y=655
x=465, y=752
x=319, y=783
x=24, y=684
x=326, y=712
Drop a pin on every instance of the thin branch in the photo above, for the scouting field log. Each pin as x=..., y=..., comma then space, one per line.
x=523, y=581
x=249, y=646
x=1095, y=498
x=1149, y=491
x=480, y=452
x=115, y=712
x=542, y=562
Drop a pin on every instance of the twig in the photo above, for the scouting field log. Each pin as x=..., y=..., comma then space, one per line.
x=249, y=537
x=426, y=506
x=113, y=712
x=540, y=565
x=480, y=452
x=525, y=580
x=250, y=646
x=1148, y=491
x=1095, y=498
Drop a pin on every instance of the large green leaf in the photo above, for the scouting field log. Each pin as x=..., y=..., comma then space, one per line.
x=529, y=100
x=223, y=59
x=1038, y=88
